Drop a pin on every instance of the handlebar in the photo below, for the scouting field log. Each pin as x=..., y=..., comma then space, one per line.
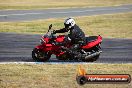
x=50, y=26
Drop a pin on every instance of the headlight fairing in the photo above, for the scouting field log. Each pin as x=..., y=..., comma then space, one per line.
x=42, y=41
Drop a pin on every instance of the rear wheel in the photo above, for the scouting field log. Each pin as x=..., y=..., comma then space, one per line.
x=40, y=56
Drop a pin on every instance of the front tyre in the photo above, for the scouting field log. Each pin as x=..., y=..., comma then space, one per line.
x=40, y=56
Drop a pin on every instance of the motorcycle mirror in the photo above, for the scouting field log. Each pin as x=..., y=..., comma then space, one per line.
x=50, y=26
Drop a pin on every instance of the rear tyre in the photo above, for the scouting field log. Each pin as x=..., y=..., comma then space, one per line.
x=40, y=56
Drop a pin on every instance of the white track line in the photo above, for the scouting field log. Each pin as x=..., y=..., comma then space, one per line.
x=65, y=12
x=43, y=63
x=58, y=63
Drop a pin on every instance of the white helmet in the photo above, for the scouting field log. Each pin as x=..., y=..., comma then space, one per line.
x=69, y=23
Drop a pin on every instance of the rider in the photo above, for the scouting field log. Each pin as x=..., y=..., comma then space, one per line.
x=76, y=35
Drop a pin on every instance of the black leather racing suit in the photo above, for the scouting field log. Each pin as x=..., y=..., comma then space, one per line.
x=76, y=35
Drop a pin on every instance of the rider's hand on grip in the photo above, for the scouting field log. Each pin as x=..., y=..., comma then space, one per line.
x=54, y=31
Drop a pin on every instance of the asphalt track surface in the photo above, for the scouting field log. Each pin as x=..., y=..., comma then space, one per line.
x=28, y=15
x=18, y=48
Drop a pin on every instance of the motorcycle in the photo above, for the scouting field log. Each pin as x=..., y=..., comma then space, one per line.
x=50, y=45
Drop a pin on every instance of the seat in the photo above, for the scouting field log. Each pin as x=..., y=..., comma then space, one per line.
x=91, y=38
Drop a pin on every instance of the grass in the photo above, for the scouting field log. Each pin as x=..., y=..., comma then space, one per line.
x=43, y=4
x=109, y=26
x=57, y=75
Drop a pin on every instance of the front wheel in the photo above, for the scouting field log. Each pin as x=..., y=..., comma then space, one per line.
x=40, y=56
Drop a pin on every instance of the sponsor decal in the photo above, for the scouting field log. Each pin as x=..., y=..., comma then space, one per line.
x=83, y=78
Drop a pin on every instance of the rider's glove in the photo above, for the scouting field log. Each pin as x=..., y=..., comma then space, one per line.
x=54, y=31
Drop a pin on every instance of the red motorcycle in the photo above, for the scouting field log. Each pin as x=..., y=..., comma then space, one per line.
x=89, y=52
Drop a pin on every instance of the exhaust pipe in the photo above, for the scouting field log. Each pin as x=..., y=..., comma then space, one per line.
x=93, y=55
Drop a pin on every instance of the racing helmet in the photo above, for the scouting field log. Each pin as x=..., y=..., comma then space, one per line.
x=69, y=23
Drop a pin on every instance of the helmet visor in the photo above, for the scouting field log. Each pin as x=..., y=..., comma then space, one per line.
x=67, y=25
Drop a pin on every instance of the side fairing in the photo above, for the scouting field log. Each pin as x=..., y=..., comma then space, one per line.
x=93, y=43
x=60, y=38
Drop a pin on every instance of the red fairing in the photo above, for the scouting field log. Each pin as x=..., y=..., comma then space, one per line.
x=46, y=39
x=44, y=47
x=61, y=53
x=60, y=38
x=39, y=47
x=48, y=47
x=93, y=43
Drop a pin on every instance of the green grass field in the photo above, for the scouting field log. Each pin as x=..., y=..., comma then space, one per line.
x=43, y=4
x=109, y=26
x=57, y=75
